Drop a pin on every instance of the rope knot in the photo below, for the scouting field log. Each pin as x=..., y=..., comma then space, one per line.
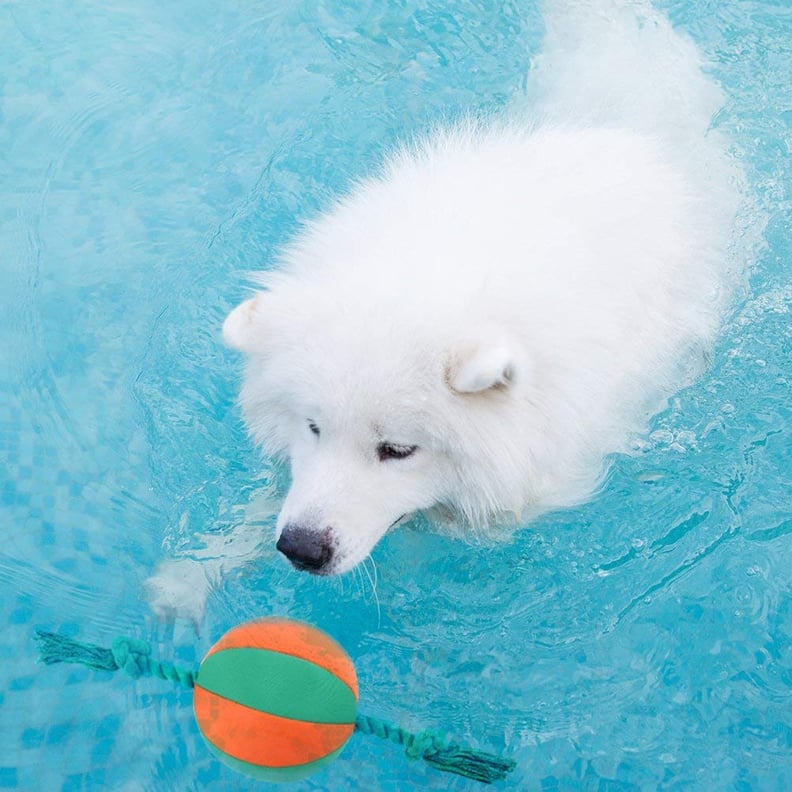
x=417, y=746
x=132, y=656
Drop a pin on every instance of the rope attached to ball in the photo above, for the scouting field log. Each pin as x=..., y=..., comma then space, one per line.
x=448, y=757
x=133, y=657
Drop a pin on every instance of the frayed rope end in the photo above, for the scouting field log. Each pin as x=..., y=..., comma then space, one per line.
x=54, y=648
x=130, y=655
x=478, y=765
x=429, y=746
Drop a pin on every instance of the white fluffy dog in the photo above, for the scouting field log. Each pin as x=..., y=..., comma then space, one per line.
x=477, y=326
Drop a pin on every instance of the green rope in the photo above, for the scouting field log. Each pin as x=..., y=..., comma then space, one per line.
x=133, y=657
x=129, y=655
x=430, y=746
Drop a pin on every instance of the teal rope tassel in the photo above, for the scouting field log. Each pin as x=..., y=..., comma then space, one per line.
x=129, y=655
x=449, y=757
x=134, y=658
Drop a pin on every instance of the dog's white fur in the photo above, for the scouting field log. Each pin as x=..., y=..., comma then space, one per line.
x=515, y=298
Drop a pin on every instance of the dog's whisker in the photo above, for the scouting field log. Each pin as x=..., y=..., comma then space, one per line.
x=360, y=582
x=374, y=572
x=373, y=581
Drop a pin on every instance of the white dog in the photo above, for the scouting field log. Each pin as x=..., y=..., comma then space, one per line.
x=506, y=303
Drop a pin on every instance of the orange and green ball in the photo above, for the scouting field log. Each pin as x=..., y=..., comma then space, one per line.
x=276, y=699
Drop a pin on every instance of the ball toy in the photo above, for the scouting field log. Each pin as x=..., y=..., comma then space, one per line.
x=276, y=699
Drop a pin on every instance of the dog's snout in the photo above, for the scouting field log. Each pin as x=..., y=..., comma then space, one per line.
x=307, y=548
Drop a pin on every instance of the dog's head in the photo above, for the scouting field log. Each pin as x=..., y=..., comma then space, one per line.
x=379, y=416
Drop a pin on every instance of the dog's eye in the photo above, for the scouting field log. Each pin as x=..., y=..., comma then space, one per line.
x=387, y=451
x=313, y=427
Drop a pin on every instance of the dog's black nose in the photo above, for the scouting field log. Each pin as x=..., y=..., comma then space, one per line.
x=306, y=548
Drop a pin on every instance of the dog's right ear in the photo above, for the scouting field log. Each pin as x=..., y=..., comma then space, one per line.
x=241, y=327
x=495, y=362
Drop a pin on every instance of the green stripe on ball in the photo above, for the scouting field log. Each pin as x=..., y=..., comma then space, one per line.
x=278, y=684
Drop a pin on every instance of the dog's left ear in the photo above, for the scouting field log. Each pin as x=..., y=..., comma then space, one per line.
x=493, y=362
x=241, y=327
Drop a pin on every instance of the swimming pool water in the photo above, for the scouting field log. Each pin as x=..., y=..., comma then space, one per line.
x=150, y=155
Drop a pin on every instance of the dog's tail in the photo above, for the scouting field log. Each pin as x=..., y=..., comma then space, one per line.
x=621, y=62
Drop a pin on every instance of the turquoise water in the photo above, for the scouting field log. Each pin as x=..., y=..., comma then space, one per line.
x=150, y=155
